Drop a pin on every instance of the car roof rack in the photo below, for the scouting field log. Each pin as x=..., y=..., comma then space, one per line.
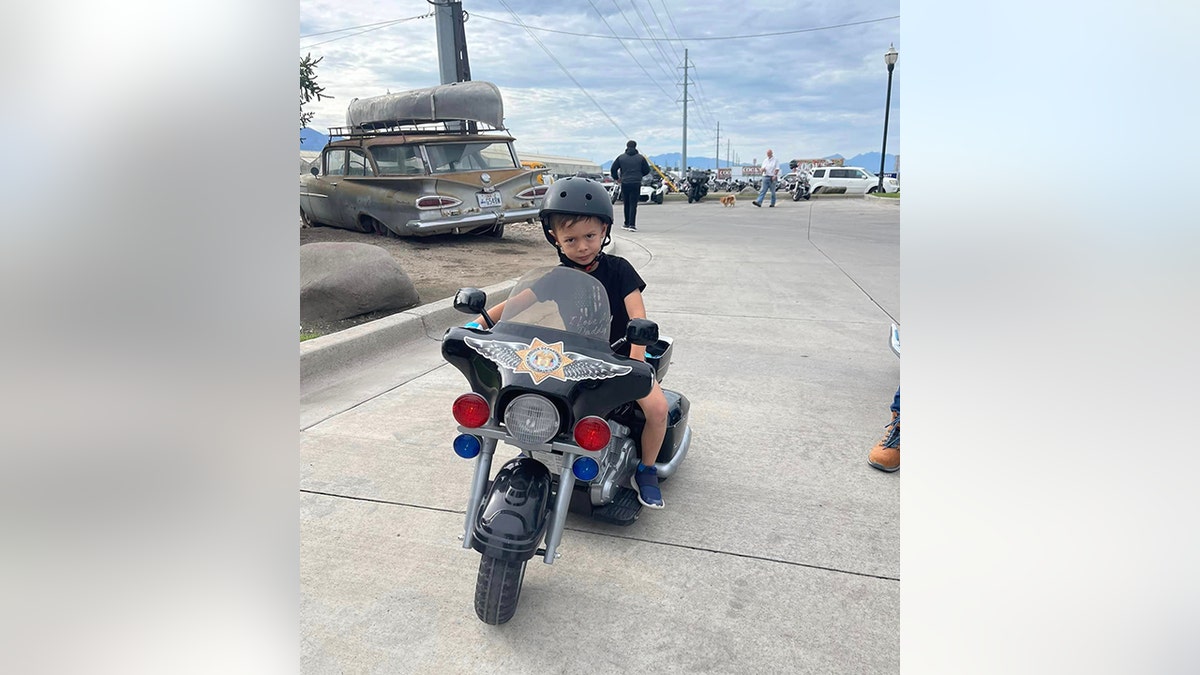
x=415, y=128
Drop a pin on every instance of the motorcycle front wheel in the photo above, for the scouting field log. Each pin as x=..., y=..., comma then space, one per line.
x=497, y=589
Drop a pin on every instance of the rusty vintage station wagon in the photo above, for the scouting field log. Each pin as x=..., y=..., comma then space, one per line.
x=421, y=162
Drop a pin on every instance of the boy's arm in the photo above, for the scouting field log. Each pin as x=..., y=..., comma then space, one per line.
x=521, y=302
x=636, y=309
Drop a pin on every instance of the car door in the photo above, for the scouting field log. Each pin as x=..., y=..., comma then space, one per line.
x=819, y=182
x=350, y=196
x=325, y=186
x=858, y=181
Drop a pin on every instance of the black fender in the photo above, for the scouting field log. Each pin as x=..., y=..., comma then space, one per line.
x=513, y=515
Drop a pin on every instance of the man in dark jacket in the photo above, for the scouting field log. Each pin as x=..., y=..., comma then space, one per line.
x=629, y=167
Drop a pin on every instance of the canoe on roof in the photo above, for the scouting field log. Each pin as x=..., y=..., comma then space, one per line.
x=476, y=100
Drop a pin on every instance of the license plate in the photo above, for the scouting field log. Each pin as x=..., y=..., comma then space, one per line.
x=489, y=200
x=552, y=461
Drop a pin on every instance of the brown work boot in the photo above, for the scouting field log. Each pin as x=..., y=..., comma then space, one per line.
x=885, y=456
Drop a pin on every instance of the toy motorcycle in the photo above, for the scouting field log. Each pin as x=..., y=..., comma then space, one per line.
x=545, y=380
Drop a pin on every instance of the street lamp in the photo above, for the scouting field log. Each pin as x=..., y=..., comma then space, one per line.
x=890, y=59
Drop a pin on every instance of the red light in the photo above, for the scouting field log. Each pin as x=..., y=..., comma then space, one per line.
x=437, y=202
x=533, y=192
x=592, y=433
x=471, y=411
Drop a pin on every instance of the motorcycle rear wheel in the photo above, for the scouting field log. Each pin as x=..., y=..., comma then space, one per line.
x=497, y=589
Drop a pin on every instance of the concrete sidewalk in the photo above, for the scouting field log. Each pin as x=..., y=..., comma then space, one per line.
x=779, y=546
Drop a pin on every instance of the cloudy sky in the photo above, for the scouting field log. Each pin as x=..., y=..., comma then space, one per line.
x=806, y=79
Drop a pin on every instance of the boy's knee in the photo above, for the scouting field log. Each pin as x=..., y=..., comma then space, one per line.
x=655, y=407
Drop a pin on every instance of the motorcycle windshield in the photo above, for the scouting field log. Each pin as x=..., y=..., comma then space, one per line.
x=561, y=298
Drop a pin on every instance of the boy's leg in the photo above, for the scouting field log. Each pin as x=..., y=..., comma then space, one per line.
x=885, y=455
x=645, y=480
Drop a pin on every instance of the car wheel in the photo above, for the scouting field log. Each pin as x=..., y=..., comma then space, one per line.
x=873, y=189
x=497, y=231
x=305, y=221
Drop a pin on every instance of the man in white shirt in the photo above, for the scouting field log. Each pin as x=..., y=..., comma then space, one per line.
x=770, y=178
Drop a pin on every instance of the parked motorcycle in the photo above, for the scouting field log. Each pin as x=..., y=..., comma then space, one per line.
x=801, y=188
x=545, y=380
x=697, y=185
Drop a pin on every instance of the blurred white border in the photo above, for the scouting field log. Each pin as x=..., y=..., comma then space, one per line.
x=1049, y=300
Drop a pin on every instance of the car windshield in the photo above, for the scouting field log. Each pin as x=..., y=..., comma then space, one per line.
x=450, y=157
x=561, y=298
x=398, y=160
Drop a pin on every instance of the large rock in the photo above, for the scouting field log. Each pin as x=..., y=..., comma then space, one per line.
x=339, y=280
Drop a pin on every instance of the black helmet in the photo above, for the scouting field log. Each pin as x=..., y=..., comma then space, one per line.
x=577, y=196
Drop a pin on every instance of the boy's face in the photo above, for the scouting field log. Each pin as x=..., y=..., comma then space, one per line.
x=580, y=241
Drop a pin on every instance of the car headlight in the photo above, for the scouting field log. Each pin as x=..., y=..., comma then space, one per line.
x=531, y=419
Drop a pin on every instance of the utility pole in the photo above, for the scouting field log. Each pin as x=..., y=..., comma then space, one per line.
x=451, y=41
x=683, y=162
x=727, y=155
x=718, y=145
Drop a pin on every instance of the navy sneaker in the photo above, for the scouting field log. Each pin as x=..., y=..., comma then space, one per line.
x=645, y=483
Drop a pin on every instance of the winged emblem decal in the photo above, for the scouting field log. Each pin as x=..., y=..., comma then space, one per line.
x=541, y=360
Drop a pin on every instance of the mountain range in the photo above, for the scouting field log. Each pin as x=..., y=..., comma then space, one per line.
x=315, y=140
x=868, y=161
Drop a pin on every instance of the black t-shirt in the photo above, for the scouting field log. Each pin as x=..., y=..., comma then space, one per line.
x=619, y=280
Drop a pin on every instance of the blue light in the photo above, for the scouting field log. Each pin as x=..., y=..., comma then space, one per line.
x=585, y=468
x=466, y=446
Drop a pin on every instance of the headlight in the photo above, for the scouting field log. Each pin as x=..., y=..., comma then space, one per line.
x=531, y=419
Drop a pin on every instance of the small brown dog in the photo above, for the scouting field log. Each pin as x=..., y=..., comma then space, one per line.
x=728, y=200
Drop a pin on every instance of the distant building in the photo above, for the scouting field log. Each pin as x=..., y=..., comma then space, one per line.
x=809, y=164
x=563, y=166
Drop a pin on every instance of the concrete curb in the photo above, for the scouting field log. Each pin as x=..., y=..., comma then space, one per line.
x=323, y=358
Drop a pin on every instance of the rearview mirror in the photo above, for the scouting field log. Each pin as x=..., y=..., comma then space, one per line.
x=470, y=300
x=642, y=332
x=314, y=171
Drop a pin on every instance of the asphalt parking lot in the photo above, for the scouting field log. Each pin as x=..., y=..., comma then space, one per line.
x=779, y=549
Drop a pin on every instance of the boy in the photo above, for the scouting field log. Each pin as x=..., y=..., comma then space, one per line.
x=577, y=220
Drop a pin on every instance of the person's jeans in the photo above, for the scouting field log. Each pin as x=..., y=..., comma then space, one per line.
x=768, y=183
x=630, y=193
x=896, y=401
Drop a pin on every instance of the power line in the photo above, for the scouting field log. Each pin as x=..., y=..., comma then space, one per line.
x=698, y=39
x=653, y=58
x=626, y=48
x=663, y=28
x=378, y=26
x=564, y=69
x=668, y=12
x=706, y=113
x=365, y=25
x=657, y=43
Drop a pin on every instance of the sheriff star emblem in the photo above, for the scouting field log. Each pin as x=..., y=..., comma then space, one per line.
x=541, y=360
